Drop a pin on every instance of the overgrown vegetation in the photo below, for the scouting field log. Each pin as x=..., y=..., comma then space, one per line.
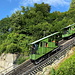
x=66, y=68
x=29, y=24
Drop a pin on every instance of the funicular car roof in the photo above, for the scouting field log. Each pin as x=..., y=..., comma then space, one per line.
x=44, y=38
x=69, y=26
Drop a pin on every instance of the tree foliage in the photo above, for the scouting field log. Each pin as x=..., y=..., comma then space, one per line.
x=31, y=23
x=72, y=5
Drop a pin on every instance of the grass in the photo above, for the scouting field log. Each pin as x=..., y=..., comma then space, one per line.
x=66, y=67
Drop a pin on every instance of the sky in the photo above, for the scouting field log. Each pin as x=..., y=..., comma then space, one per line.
x=7, y=7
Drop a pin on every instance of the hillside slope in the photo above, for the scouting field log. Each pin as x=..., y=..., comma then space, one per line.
x=29, y=24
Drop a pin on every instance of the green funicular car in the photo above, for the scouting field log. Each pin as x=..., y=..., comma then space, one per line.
x=68, y=31
x=42, y=46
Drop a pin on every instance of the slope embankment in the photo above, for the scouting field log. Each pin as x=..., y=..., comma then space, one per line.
x=6, y=61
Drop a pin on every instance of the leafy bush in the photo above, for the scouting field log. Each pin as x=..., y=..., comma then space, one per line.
x=2, y=48
x=21, y=59
x=13, y=48
x=66, y=68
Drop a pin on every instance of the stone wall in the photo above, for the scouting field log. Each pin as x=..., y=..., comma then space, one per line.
x=6, y=61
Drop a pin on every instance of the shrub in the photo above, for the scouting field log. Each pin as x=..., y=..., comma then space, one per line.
x=3, y=48
x=13, y=48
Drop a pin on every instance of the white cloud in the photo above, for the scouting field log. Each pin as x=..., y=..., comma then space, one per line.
x=54, y=3
x=14, y=10
x=50, y=2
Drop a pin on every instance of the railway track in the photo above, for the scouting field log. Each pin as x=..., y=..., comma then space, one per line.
x=21, y=68
x=28, y=68
x=58, y=55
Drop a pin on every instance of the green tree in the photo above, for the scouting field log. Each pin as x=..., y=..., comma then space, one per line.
x=44, y=8
x=72, y=5
x=13, y=48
